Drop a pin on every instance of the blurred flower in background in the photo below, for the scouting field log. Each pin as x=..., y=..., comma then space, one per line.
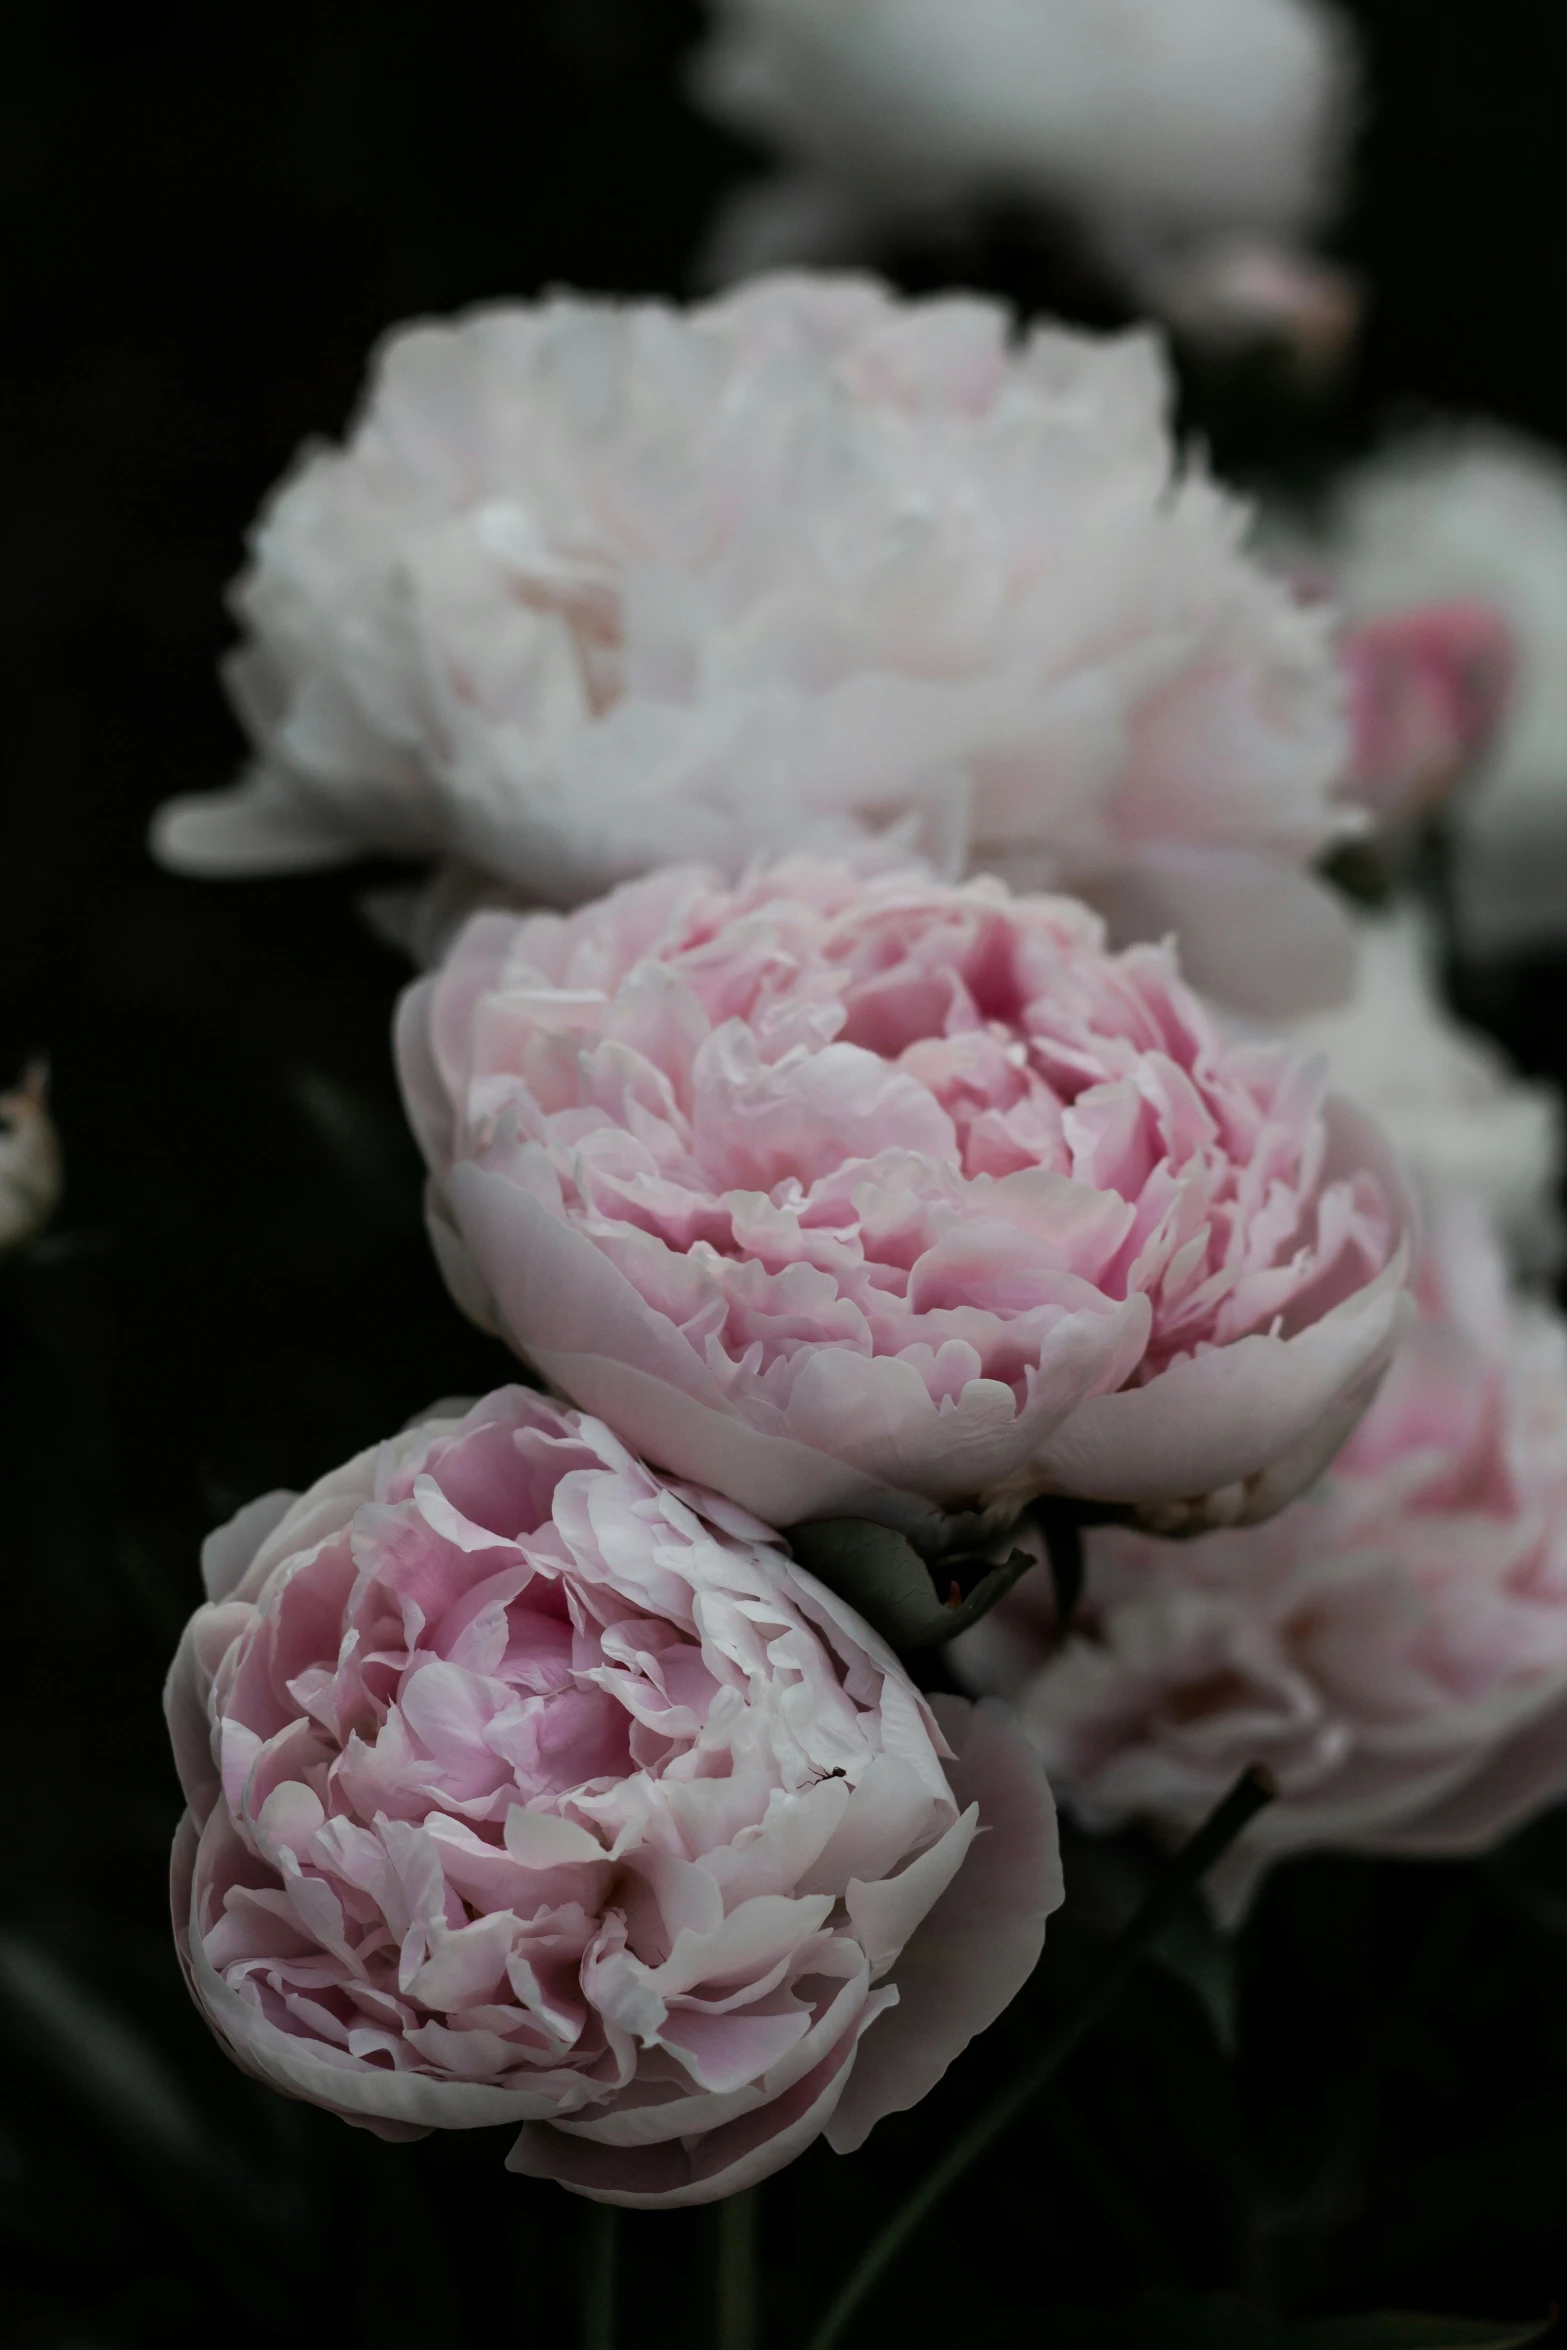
x=1456, y=1111
x=1428, y=688
x=1472, y=512
x=31, y=1172
x=1196, y=145
x=1394, y=1647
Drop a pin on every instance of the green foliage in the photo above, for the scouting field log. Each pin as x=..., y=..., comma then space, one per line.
x=1108, y=1876
x=884, y=1576
x=1216, y=2321
x=367, y=1147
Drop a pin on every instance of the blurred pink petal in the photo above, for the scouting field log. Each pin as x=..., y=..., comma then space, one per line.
x=1460, y=1116
x=1428, y=689
x=1459, y=515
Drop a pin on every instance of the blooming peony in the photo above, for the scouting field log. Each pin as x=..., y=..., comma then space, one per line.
x=1475, y=513
x=1393, y=1648
x=1445, y=1095
x=1196, y=144
x=895, y=1199
x=30, y=1170
x=526, y=1787
x=1429, y=688
x=593, y=587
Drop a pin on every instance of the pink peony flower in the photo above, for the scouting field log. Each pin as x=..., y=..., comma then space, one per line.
x=1394, y=1647
x=894, y=1199
x=1428, y=689
x=591, y=588
x=528, y=1788
x=1470, y=513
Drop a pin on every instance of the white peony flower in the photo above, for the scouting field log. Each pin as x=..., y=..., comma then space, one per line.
x=1195, y=142
x=1479, y=513
x=1455, y=1110
x=30, y=1169
x=592, y=587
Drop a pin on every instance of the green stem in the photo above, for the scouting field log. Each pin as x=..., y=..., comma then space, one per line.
x=738, y=2219
x=1190, y=1865
x=600, y=2249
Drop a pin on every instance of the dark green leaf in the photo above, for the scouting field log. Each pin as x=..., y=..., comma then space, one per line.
x=1199, y=1955
x=1216, y=2321
x=103, y=2056
x=883, y=1576
x=1544, y=1907
x=1402, y=2329
x=369, y=1151
x=1107, y=1876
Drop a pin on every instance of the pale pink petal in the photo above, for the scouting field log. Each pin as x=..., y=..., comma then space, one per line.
x=1263, y=1415
x=228, y=1552
x=1257, y=934
x=723, y=2162
x=977, y=1947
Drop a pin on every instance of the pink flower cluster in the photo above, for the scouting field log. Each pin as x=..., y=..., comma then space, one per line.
x=888, y=1198
x=1394, y=1647
x=531, y=1780
x=527, y=1787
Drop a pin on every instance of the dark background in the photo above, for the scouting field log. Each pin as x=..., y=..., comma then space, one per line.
x=205, y=219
